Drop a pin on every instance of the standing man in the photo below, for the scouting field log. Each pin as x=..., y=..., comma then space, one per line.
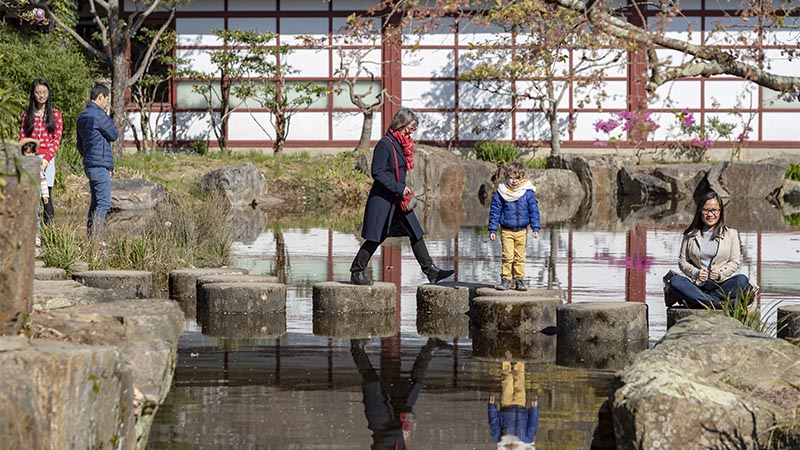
x=96, y=131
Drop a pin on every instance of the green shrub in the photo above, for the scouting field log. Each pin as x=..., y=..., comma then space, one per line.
x=793, y=219
x=200, y=147
x=500, y=153
x=793, y=172
x=535, y=163
x=62, y=244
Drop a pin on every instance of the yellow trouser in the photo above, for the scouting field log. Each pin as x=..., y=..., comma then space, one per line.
x=513, y=384
x=513, y=243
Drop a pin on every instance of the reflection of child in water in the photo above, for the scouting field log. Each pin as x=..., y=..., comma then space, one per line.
x=513, y=424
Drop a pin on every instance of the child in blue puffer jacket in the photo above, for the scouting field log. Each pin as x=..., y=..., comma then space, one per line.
x=513, y=423
x=514, y=209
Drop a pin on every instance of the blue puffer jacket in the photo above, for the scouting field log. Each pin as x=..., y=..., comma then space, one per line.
x=95, y=133
x=516, y=420
x=516, y=215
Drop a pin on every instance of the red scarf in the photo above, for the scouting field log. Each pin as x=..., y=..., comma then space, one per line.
x=408, y=147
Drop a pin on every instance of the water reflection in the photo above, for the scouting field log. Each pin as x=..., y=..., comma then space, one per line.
x=304, y=388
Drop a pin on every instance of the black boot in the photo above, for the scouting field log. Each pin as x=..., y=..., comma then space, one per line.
x=359, y=279
x=436, y=274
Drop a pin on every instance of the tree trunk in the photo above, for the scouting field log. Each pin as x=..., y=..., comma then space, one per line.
x=366, y=132
x=555, y=136
x=120, y=74
x=281, y=129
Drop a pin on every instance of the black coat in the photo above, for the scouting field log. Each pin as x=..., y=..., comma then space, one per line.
x=382, y=215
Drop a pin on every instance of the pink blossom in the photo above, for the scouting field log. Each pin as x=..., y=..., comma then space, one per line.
x=702, y=143
x=606, y=126
x=38, y=14
x=687, y=118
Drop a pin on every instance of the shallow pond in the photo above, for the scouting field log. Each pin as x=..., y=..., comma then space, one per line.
x=305, y=390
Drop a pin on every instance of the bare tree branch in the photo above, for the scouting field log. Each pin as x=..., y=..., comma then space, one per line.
x=80, y=40
x=147, y=59
x=142, y=16
x=99, y=22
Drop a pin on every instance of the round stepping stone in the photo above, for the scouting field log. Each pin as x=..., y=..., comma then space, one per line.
x=78, y=266
x=579, y=323
x=442, y=300
x=675, y=314
x=443, y=326
x=600, y=355
x=49, y=273
x=533, y=347
x=126, y=283
x=237, y=278
x=339, y=298
x=354, y=326
x=183, y=282
x=788, y=321
x=243, y=326
x=533, y=293
x=503, y=314
x=241, y=298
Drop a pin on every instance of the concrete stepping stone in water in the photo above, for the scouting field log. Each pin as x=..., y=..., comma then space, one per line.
x=241, y=298
x=253, y=325
x=443, y=299
x=64, y=293
x=515, y=313
x=354, y=326
x=126, y=283
x=49, y=273
x=532, y=347
x=332, y=297
x=183, y=282
x=788, y=322
x=442, y=326
x=674, y=314
x=236, y=278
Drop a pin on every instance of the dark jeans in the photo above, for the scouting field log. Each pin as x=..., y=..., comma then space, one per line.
x=368, y=249
x=100, y=186
x=48, y=208
x=710, y=294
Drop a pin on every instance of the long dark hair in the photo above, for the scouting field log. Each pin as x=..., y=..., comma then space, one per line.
x=697, y=223
x=49, y=119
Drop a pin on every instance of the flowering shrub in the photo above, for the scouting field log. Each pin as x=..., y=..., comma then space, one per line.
x=632, y=126
x=694, y=139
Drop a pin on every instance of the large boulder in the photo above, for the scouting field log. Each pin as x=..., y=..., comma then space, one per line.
x=559, y=193
x=672, y=180
x=736, y=180
x=598, y=177
x=709, y=383
x=18, y=199
x=439, y=174
x=239, y=185
x=135, y=194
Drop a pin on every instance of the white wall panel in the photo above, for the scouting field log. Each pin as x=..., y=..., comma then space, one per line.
x=668, y=127
x=319, y=102
x=584, y=126
x=370, y=62
x=781, y=64
x=304, y=5
x=471, y=96
x=199, y=60
x=781, y=126
x=790, y=33
x=244, y=126
x=347, y=126
x=252, y=5
x=729, y=5
x=730, y=94
x=351, y=5
x=473, y=33
x=436, y=126
x=534, y=126
x=429, y=94
x=777, y=100
x=342, y=99
x=292, y=27
x=468, y=60
x=193, y=126
x=202, y=5
x=427, y=63
x=160, y=123
x=615, y=62
x=339, y=33
x=611, y=95
x=479, y=126
x=730, y=31
x=741, y=122
x=441, y=35
x=308, y=63
x=198, y=31
x=677, y=95
x=309, y=126
x=672, y=58
x=686, y=29
x=538, y=89
x=260, y=24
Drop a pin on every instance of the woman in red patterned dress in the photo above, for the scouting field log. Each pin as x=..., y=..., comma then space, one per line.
x=43, y=122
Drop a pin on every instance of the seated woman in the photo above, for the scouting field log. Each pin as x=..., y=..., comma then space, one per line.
x=709, y=260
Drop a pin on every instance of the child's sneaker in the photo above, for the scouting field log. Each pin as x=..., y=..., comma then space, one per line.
x=521, y=284
x=504, y=285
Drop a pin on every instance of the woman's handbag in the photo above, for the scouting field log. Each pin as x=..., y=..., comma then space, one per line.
x=409, y=201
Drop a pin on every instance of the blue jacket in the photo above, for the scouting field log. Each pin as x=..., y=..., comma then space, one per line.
x=517, y=420
x=516, y=215
x=96, y=131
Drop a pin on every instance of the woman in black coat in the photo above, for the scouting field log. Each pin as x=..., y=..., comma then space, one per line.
x=383, y=217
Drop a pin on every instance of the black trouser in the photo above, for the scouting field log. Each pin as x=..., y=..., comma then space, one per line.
x=48, y=208
x=368, y=249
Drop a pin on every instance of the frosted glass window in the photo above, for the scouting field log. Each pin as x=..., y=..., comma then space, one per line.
x=193, y=126
x=425, y=63
x=198, y=31
x=778, y=100
x=672, y=58
x=481, y=126
x=347, y=126
x=729, y=5
x=730, y=31
x=613, y=63
x=361, y=61
x=197, y=60
x=686, y=29
x=292, y=28
x=470, y=32
x=350, y=5
x=160, y=123
x=202, y=5
x=740, y=121
x=245, y=126
x=251, y=5
x=472, y=96
x=341, y=99
x=584, y=126
x=437, y=126
x=789, y=33
x=685, y=5
x=429, y=94
x=319, y=102
x=730, y=94
x=780, y=126
x=668, y=127
x=676, y=95
x=531, y=91
x=304, y=5
x=535, y=126
x=253, y=102
x=441, y=35
x=308, y=63
x=309, y=126
x=781, y=64
x=610, y=95
x=469, y=59
x=260, y=24
x=189, y=99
